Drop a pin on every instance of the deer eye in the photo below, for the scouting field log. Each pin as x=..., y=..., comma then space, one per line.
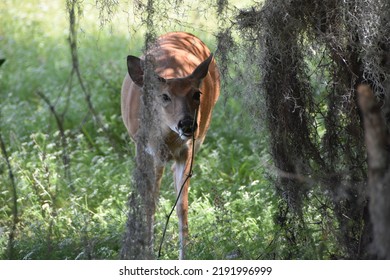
x=196, y=96
x=165, y=97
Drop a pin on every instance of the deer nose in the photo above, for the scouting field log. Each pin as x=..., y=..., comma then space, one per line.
x=187, y=126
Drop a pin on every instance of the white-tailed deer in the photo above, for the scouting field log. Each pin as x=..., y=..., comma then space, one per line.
x=188, y=82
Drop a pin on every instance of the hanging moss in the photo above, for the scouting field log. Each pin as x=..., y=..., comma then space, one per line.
x=310, y=56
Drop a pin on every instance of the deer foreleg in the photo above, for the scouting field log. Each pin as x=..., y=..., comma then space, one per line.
x=181, y=171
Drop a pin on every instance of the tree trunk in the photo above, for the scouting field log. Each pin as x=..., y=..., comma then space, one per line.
x=378, y=169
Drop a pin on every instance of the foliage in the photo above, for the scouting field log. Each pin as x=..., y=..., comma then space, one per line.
x=310, y=59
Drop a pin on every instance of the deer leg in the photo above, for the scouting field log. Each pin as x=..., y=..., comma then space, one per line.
x=181, y=170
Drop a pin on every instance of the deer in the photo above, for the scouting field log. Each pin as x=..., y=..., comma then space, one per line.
x=186, y=90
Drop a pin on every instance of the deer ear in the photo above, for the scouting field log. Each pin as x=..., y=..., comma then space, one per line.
x=201, y=71
x=135, y=70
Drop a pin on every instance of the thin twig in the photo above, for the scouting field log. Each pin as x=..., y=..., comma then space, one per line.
x=15, y=199
x=60, y=124
x=189, y=175
x=14, y=194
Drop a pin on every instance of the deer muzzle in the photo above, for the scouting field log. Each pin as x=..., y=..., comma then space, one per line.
x=187, y=127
